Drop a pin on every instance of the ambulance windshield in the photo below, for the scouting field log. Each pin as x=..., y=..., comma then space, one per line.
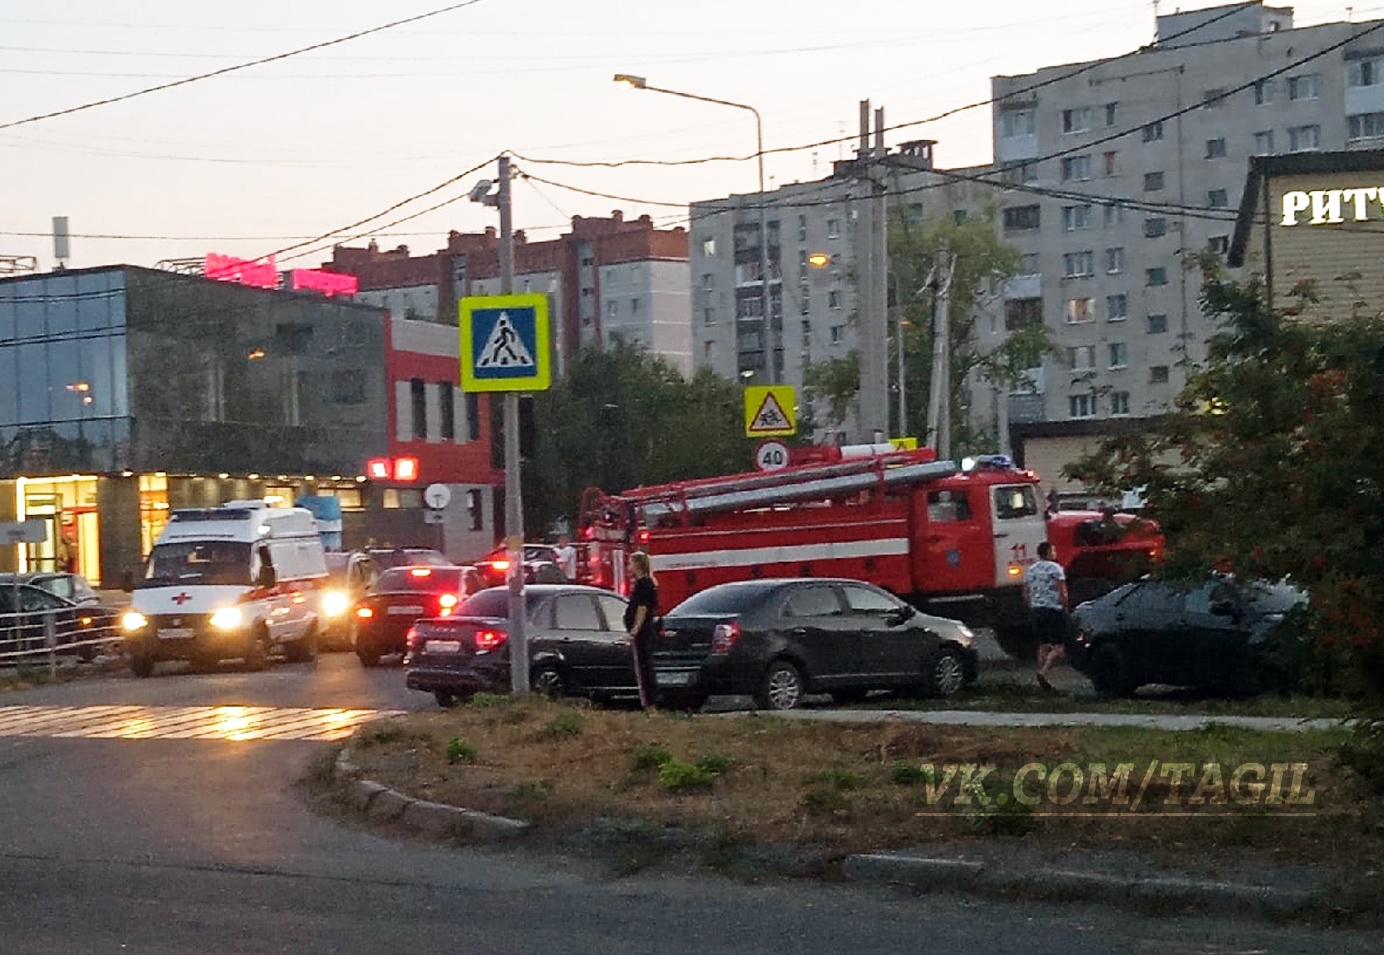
x=198, y=562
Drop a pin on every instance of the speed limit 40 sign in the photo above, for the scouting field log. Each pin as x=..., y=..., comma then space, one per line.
x=771, y=455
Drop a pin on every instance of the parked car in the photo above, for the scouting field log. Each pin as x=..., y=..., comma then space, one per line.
x=495, y=565
x=69, y=586
x=350, y=574
x=780, y=640
x=576, y=641
x=402, y=595
x=1223, y=634
x=84, y=629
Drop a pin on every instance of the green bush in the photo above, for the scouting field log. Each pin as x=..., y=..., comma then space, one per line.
x=676, y=776
x=824, y=799
x=714, y=763
x=458, y=750
x=491, y=699
x=647, y=757
x=904, y=773
x=1011, y=819
x=566, y=724
x=841, y=780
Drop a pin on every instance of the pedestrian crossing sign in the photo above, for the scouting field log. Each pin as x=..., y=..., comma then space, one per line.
x=505, y=343
x=770, y=411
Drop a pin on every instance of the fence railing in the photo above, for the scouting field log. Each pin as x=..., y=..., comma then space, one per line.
x=56, y=636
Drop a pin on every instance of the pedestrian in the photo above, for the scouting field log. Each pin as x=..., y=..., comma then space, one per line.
x=566, y=557
x=640, y=615
x=1045, y=589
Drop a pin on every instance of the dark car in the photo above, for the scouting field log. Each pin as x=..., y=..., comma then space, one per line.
x=779, y=640
x=68, y=586
x=1222, y=634
x=495, y=565
x=400, y=596
x=84, y=629
x=408, y=557
x=576, y=640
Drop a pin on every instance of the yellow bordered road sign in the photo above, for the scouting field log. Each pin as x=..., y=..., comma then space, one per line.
x=505, y=343
x=770, y=411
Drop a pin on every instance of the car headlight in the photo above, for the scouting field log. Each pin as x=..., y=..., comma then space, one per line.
x=335, y=603
x=133, y=620
x=227, y=618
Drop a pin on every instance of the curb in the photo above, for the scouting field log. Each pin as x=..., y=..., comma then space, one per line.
x=932, y=873
x=426, y=818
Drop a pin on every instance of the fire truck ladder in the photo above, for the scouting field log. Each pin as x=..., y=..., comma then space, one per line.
x=808, y=482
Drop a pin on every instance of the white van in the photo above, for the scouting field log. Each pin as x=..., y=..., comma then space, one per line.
x=238, y=580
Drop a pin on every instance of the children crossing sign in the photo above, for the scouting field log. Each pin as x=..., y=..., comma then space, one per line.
x=504, y=343
x=770, y=411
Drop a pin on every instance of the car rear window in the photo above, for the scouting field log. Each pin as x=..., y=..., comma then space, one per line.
x=721, y=600
x=423, y=579
x=494, y=602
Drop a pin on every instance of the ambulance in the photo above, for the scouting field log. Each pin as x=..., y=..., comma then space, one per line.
x=240, y=581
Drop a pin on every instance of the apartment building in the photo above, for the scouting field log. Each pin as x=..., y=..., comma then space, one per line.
x=1122, y=171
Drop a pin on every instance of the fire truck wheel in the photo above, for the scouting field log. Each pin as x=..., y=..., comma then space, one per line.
x=782, y=687
x=946, y=674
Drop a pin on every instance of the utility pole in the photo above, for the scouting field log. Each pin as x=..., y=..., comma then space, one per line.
x=939, y=399
x=514, y=500
x=873, y=327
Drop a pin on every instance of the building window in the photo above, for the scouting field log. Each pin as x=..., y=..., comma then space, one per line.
x=833, y=228
x=1028, y=263
x=838, y=334
x=1213, y=99
x=447, y=401
x=802, y=228
x=1119, y=402
x=1016, y=174
x=1114, y=261
x=804, y=300
x=1158, y=375
x=708, y=280
x=1303, y=87
x=1114, y=215
x=1364, y=126
x=1082, y=406
x=634, y=306
x=1119, y=355
x=1021, y=312
x=1157, y=275
x=1110, y=111
x=708, y=316
x=1076, y=120
x=1080, y=310
x=708, y=353
x=1110, y=162
x=708, y=248
x=1017, y=122
x=1076, y=217
x=1016, y=218
x=1263, y=143
x=1117, y=307
x=1215, y=148
x=612, y=309
x=474, y=510
x=1263, y=93
x=1217, y=198
x=1155, y=227
x=959, y=216
x=418, y=392
x=834, y=299
x=1363, y=73
x=1303, y=139
x=1153, y=132
x=1219, y=244
x=1078, y=264
x=1082, y=357
x=473, y=416
x=1153, y=181
x=1076, y=168
x=1157, y=324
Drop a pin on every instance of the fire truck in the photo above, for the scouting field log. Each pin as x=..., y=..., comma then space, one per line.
x=950, y=540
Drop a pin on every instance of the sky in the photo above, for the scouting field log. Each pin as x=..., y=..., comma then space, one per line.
x=268, y=158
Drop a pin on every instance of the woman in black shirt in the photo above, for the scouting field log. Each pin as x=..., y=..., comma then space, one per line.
x=640, y=614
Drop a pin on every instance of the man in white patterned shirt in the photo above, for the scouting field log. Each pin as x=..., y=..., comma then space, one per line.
x=1045, y=589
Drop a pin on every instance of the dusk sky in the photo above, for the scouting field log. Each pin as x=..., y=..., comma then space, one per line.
x=264, y=158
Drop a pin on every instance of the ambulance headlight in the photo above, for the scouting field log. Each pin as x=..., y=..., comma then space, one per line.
x=335, y=603
x=227, y=618
x=133, y=620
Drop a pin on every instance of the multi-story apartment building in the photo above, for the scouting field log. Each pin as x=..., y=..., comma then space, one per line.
x=1124, y=169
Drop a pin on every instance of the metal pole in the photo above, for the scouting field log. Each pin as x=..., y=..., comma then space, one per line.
x=514, y=501
x=770, y=334
x=938, y=410
x=873, y=326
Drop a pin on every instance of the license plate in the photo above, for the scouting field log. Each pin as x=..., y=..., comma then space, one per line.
x=442, y=646
x=174, y=633
x=416, y=611
x=676, y=678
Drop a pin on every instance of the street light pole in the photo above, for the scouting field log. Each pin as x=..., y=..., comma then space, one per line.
x=768, y=338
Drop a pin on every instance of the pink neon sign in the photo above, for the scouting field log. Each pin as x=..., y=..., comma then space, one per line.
x=228, y=268
x=328, y=283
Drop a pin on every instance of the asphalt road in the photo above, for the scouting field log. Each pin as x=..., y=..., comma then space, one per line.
x=152, y=842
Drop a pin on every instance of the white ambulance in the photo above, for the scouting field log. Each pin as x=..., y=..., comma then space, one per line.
x=237, y=581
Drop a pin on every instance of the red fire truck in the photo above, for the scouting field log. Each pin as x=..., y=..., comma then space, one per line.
x=949, y=540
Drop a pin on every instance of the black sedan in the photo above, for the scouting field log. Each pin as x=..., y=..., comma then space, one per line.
x=780, y=640
x=84, y=629
x=576, y=640
x=400, y=596
x=1222, y=634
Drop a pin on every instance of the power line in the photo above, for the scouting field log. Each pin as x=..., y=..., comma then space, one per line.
x=240, y=66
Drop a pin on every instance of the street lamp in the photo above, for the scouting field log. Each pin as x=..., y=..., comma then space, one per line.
x=640, y=83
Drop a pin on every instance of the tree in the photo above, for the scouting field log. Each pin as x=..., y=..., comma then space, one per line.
x=1272, y=458
x=622, y=417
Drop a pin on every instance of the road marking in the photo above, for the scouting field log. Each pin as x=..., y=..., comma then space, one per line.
x=235, y=723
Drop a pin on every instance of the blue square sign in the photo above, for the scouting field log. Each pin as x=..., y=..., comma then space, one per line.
x=504, y=343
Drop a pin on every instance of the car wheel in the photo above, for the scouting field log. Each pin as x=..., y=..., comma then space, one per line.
x=946, y=674
x=1110, y=673
x=142, y=665
x=369, y=656
x=548, y=682
x=782, y=688
x=303, y=650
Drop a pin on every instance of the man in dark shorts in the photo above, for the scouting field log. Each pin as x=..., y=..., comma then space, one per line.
x=1045, y=589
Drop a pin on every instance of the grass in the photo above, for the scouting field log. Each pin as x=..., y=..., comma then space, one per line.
x=845, y=787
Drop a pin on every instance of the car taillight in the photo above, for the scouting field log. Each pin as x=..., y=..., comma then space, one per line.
x=724, y=637
x=487, y=639
x=364, y=613
x=411, y=638
x=499, y=566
